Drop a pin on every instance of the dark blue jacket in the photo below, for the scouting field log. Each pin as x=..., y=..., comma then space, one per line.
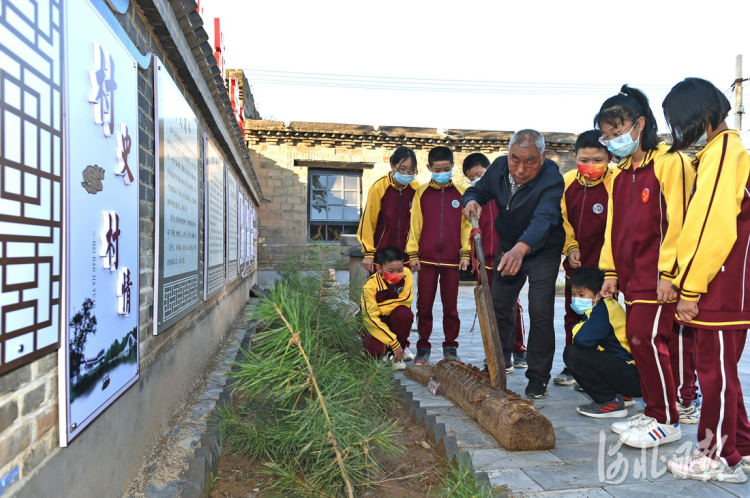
x=532, y=215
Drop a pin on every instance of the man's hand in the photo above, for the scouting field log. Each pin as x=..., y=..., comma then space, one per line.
x=666, y=292
x=687, y=310
x=512, y=260
x=574, y=258
x=609, y=288
x=398, y=354
x=464, y=264
x=472, y=207
x=367, y=263
x=414, y=264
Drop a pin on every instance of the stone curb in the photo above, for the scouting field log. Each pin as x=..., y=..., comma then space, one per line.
x=205, y=461
x=447, y=446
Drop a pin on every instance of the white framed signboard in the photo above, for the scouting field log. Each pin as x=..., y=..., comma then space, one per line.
x=213, y=252
x=31, y=183
x=102, y=232
x=176, y=272
x=232, y=231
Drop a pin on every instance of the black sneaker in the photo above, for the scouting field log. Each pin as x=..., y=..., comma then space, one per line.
x=422, y=356
x=610, y=409
x=508, y=370
x=536, y=389
x=450, y=354
x=519, y=360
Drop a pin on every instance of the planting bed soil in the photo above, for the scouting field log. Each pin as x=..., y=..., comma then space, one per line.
x=411, y=474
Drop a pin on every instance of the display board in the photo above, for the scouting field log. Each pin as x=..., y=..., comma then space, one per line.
x=31, y=181
x=213, y=252
x=176, y=282
x=232, y=220
x=102, y=228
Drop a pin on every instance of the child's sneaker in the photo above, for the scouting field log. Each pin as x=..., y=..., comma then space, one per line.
x=509, y=370
x=630, y=402
x=577, y=387
x=564, y=378
x=610, y=409
x=745, y=463
x=397, y=365
x=423, y=355
x=651, y=433
x=689, y=414
x=408, y=355
x=634, y=421
x=519, y=360
x=536, y=389
x=450, y=354
x=700, y=467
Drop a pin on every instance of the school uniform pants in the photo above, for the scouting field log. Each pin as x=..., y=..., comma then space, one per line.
x=429, y=278
x=723, y=430
x=601, y=374
x=542, y=275
x=649, y=329
x=681, y=356
x=399, y=321
x=518, y=345
x=571, y=317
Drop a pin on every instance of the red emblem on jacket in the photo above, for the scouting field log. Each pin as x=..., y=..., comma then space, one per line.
x=645, y=195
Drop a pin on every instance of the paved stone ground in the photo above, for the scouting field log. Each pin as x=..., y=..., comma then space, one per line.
x=588, y=460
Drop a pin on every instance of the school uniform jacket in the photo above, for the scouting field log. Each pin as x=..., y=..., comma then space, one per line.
x=644, y=220
x=489, y=235
x=584, y=211
x=385, y=221
x=603, y=328
x=379, y=299
x=439, y=233
x=713, y=251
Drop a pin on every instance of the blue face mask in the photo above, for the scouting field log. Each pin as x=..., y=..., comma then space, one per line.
x=624, y=145
x=702, y=139
x=402, y=178
x=581, y=304
x=442, y=178
x=474, y=182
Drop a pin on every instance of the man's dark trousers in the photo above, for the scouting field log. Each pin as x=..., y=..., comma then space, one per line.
x=542, y=276
x=602, y=375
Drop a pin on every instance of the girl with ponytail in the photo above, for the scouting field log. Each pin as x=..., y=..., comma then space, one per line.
x=650, y=190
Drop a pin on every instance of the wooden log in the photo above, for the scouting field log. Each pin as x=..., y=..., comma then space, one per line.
x=512, y=420
x=419, y=373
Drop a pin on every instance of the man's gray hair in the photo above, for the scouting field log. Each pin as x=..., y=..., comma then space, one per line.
x=526, y=138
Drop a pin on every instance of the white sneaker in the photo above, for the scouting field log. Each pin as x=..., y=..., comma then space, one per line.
x=690, y=414
x=509, y=370
x=745, y=463
x=651, y=434
x=634, y=421
x=397, y=365
x=700, y=467
x=408, y=355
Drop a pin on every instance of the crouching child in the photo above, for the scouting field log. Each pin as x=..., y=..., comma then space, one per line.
x=386, y=309
x=599, y=356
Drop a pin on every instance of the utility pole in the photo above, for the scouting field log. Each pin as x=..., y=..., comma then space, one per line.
x=738, y=111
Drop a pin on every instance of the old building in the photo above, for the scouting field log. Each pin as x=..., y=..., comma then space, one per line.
x=315, y=176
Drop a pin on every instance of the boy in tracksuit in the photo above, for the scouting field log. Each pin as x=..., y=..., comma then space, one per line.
x=438, y=247
x=599, y=355
x=387, y=215
x=473, y=168
x=584, y=210
x=386, y=307
x=712, y=276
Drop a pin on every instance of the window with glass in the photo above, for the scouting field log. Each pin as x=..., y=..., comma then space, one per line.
x=335, y=204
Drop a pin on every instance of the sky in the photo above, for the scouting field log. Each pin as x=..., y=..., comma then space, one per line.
x=549, y=64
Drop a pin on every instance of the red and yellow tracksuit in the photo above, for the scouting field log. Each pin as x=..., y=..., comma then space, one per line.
x=385, y=221
x=584, y=210
x=386, y=309
x=646, y=210
x=490, y=244
x=439, y=237
x=713, y=264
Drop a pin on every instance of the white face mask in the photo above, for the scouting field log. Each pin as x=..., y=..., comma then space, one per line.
x=474, y=181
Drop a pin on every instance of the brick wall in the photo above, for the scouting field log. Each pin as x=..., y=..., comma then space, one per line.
x=276, y=150
x=29, y=406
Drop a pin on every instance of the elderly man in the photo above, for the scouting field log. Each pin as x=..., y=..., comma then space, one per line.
x=527, y=189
